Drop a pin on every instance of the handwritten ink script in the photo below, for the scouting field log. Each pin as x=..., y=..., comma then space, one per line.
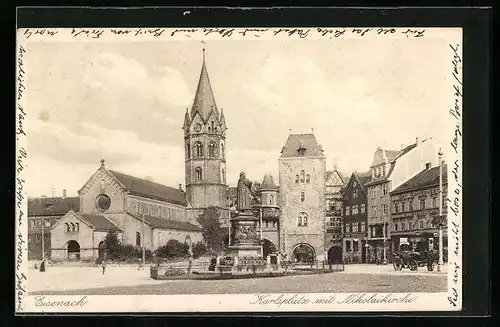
x=302, y=33
x=354, y=298
x=43, y=301
x=454, y=200
x=21, y=157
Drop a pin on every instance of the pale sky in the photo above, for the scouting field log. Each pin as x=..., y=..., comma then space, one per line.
x=125, y=102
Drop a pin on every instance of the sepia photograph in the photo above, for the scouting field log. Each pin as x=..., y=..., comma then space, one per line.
x=239, y=169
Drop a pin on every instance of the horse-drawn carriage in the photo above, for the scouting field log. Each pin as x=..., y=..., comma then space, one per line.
x=413, y=259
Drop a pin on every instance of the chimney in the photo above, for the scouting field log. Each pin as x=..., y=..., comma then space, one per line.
x=64, y=193
x=180, y=187
x=416, y=140
x=428, y=166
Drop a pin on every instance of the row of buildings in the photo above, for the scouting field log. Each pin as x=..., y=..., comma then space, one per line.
x=311, y=213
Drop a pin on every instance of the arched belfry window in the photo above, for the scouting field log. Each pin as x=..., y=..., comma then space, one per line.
x=68, y=229
x=212, y=150
x=302, y=219
x=302, y=176
x=198, y=174
x=73, y=229
x=77, y=226
x=198, y=149
x=222, y=150
x=188, y=149
x=212, y=124
x=308, y=178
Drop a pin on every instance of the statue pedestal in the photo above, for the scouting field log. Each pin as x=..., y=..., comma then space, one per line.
x=244, y=240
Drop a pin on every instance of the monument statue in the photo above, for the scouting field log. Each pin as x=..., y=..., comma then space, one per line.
x=246, y=192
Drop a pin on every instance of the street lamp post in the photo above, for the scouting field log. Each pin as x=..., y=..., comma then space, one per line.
x=42, y=265
x=143, y=239
x=440, y=261
x=261, y=244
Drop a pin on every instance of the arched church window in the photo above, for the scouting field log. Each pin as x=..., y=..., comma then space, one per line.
x=212, y=123
x=302, y=196
x=308, y=178
x=137, y=239
x=73, y=227
x=188, y=147
x=77, y=227
x=68, y=229
x=209, y=129
x=302, y=176
x=212, y=150
x=296, y=179
x=198, y=149
x=198, y=174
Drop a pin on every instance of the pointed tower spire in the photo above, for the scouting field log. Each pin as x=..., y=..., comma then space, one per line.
x=187, y=121
x=204, y=100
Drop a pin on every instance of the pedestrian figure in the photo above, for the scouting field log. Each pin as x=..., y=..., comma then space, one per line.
x=103, y=267
x=140, y=264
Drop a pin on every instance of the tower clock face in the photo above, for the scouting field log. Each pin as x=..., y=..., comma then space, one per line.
x=197, y=127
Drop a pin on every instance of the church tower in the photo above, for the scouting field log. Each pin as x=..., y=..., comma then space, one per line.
x=205, y=151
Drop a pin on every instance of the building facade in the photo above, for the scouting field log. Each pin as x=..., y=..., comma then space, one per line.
x=334, y=186
x=302, y=198
x=143, y=213
x=389, y=170
x=205, y=151
x=415, y=205
x=355, y=238
x=43, y=213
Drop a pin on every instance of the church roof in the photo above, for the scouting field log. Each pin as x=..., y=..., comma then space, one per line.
x=268, y=184
x=301, y=145
x=204, y=100
x=99, y=222
x=151, y=190
x=57, y=206
x=162, y=223
x=426, y=178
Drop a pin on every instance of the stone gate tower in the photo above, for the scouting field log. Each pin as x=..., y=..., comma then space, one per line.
x=302, y=198
x=205, y=152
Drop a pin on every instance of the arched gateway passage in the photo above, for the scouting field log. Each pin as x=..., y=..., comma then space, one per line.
x=73, y=250
x=268, y=247
x=335, y=255
x=303, y=253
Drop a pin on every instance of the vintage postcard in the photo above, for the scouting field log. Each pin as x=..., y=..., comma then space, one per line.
x=239, y=169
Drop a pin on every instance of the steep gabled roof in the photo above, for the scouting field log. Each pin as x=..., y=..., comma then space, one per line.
x=363, y=178
x=204, y=100
x=151, y=190
x=424, y=179
x=57, y=206
x=99, y=222
x=161, y=223
x=301, y=145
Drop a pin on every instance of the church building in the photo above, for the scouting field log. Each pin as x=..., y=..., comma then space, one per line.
x=141, y=212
